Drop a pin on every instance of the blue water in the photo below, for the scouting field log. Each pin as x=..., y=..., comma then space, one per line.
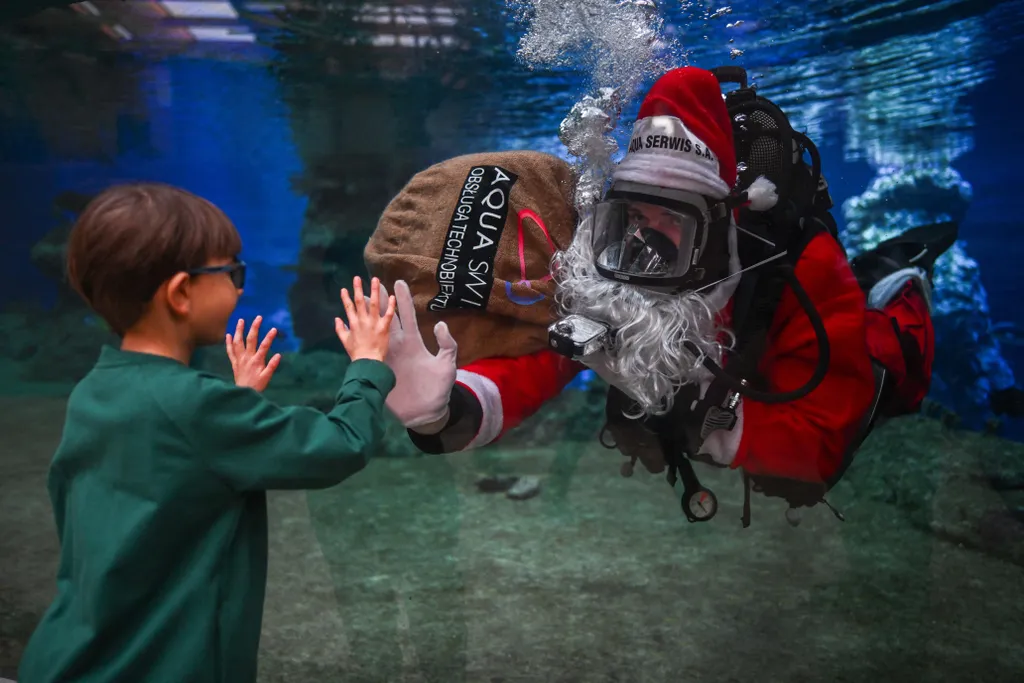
x=215, y=129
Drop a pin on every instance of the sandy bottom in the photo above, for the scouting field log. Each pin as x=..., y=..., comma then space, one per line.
x=408, y=573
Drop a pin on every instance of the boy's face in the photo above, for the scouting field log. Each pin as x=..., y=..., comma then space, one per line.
x=213, y=297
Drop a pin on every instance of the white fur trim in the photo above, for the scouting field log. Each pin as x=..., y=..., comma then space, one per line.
x=663, y=152
x=886, y=289
x=487, y=394
x=723, y=444
x=762, y=194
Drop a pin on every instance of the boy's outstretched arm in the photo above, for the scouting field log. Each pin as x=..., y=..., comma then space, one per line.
x=254, y=444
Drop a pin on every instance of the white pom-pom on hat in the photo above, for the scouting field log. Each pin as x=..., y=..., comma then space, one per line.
x=762, y=194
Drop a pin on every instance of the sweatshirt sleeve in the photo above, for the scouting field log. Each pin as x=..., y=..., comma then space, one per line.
x=806, y=439
x=253, y=444
x=493, y=395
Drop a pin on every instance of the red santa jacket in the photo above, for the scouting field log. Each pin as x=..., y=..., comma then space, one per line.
x=804, y=439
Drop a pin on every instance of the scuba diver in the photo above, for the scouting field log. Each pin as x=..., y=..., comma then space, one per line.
x=710, y=290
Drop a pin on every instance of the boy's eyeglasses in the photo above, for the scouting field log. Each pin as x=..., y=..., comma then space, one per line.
x=235, y=270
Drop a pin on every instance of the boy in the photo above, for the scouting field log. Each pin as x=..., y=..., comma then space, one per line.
x=158, y=485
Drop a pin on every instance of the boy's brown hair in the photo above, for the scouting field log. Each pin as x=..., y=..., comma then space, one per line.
x=132, y=238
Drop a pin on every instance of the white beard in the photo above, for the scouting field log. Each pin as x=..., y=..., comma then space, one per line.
x=650, y=361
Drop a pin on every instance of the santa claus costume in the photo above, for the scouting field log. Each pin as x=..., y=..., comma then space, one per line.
x=682, y=150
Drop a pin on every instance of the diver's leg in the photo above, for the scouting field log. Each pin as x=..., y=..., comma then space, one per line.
x=901, y=336
x=896, y=279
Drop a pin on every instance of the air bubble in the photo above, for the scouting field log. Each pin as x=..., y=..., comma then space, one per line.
x=620, y=45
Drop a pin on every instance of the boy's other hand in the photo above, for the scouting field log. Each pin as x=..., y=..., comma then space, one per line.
x=367, y=333
x=248, y=358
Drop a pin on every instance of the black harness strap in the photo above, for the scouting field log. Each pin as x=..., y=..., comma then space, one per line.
x=757, y=298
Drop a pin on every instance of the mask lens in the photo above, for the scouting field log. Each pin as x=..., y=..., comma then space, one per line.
x=649, y=252
x=639, y=238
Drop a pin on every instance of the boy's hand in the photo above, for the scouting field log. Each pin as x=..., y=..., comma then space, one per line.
x=249, y=360
x=367, y=332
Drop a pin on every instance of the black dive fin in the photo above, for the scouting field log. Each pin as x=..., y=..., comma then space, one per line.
x=920, y=246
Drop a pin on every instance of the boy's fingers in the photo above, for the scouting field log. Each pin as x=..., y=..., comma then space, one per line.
x=341, y=330
x=389, y=314
x=265, y=345
x=374, y=306
x=271, y=366
x=230, y=346
x=357, y=291
x=254, y=333
x=350, y=312
x=239, y=331
x=384, y=298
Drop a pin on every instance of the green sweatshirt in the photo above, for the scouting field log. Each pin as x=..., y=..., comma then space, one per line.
x=158, y=493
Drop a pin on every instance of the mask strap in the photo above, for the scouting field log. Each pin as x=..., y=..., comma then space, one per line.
x=756, y=236
x=744, y=270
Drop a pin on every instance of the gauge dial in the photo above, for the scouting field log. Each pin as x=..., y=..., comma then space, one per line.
x=701, y=504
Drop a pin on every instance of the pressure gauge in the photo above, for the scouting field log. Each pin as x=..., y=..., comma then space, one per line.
x=699, y=505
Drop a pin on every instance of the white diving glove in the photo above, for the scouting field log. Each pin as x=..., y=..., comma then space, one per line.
x=423, y=381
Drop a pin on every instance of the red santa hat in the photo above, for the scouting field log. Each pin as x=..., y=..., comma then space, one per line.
x=682, y=139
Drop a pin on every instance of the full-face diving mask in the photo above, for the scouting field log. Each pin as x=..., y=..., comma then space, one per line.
x=659, y=237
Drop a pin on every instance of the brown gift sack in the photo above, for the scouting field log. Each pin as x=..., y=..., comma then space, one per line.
x=473, y=238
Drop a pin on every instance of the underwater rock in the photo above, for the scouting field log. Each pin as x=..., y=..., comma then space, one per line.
x=18, y=339
x=50, y=253
x=515, y=488
x=998, y=532
x=946, y=483
x=496, y=483
x=898, y=200
x=526, y=487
